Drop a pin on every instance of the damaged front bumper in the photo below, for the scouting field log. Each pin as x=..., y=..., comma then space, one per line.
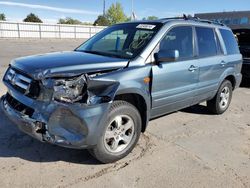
x=68, y=125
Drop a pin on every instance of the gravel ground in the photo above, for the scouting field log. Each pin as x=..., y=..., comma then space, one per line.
x=189, y=148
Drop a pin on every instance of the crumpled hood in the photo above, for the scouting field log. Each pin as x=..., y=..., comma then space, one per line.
x=62, y=63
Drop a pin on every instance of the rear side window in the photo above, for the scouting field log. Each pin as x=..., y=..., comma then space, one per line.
x=181, y=39
x=206, y=40
x=230, y=42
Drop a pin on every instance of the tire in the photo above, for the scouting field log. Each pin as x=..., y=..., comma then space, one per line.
x=220, y=103
x=121, y=133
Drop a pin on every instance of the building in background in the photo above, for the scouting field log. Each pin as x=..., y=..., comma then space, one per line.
x=239, y=22
x=234, y=19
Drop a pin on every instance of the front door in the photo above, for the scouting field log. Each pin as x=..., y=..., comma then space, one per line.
x=175, y=83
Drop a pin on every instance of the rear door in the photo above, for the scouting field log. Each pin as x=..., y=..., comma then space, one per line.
x=175, y=83
x=212, y=62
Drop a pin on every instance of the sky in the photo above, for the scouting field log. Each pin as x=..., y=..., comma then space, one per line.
x=88, y=10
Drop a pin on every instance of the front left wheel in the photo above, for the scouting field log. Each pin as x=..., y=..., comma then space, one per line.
x=121, y=133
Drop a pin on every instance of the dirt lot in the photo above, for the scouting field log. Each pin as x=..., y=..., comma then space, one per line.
x=190, y=148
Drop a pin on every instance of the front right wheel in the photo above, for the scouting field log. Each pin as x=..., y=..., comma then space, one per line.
x=121, y=133
x=220, y=103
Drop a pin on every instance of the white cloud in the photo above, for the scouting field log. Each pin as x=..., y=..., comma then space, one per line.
x=57, y=9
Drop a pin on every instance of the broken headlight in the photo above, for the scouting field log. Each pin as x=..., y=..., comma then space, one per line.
x=70, y=90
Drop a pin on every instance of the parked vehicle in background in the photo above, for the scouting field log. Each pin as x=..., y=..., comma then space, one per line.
x=102, y=95
x=243, y=36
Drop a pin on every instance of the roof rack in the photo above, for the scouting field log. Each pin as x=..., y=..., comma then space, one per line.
x=205, y=21
x=185, y=17
x=172, y=18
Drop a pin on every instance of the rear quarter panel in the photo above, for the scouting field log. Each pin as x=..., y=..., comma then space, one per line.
x=233, y=68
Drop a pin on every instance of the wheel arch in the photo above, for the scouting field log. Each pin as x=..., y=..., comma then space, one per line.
x=139, y=101
x=229, y=75
x=232, y=79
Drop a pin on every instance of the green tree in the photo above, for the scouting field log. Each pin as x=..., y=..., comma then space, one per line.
x=32, y=18
x=128, y=19
x=87, y=23
x=115, y=14
x=152, y=18
x=102, y=21
x=69, y=20
x=2, y=17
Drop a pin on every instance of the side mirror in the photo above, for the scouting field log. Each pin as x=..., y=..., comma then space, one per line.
x=167, y=56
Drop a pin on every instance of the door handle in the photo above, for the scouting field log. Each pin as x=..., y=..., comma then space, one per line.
x=223, y=63
x=193, y=68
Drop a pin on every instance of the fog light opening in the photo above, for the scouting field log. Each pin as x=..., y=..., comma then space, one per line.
x=40, y=127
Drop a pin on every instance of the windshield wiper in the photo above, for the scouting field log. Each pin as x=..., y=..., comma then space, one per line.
x=93, y=52
x=103, y=53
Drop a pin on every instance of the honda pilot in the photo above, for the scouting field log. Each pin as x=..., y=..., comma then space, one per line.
x=102, y=95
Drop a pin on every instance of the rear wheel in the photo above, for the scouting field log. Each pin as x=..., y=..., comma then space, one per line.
x=121, y=133
x=220, y=103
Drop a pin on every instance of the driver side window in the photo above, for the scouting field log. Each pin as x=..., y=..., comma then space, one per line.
x=180, y=39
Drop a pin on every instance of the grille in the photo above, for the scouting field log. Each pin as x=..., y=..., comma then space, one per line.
x=22, y=83
x=18, y=106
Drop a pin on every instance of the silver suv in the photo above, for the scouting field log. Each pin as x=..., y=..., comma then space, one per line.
x=102, y=95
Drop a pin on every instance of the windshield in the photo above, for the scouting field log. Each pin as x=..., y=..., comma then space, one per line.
x=123, y=41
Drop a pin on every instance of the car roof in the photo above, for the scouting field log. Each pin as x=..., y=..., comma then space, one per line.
x=191, y=20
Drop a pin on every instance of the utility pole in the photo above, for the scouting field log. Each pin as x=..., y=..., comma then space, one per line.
x=104, y=7
x=132, y=9
x=133, y=16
